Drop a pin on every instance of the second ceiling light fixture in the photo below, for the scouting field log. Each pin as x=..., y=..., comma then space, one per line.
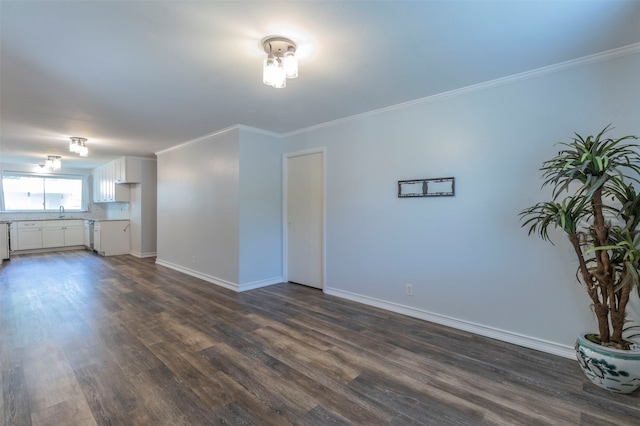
x=79, y=146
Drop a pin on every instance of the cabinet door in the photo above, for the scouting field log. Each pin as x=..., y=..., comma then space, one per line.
x=108, y=182
x=97, y=185
x=74, y=236
x=120, y=170
x=13, y=236
x=52, y=237
x=103, y=185
x=131, y=170
x=86, y=235
x=29, y=238
x=4, y=241
x=121, y=192
x=96, y=237
x=112, y=181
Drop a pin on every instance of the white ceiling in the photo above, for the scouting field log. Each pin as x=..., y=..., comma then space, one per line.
x=136, y=77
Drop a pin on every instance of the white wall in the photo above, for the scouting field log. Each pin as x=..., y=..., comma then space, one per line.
x=149, y=200
x=143, y=209
x=260, y=208
x=469, y=261
x=219, y=208
x=198, y=207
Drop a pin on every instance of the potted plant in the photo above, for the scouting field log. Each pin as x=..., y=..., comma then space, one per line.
x=594, y=202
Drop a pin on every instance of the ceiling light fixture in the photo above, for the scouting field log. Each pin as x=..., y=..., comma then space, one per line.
x=79, y=146
x=281, y=62
x=53, y=162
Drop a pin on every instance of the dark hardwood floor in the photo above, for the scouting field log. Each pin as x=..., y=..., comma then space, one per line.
x=122, y=341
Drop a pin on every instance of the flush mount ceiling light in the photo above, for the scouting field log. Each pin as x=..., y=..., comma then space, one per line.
x=281, y=62
x=79, y=146
x=53, y=162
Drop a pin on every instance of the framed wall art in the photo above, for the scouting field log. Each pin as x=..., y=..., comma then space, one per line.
x=439, y=187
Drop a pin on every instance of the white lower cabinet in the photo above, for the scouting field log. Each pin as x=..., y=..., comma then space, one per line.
x=52, y=237
x=74, y=233
x=62, y=233
x=111, y=237
x=48, y=234
x=29, y=235
x=4, y=241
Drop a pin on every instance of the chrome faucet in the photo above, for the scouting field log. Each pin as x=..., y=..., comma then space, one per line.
x=61, y=211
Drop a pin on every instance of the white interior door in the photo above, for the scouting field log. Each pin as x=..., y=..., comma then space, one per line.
x=305, y=219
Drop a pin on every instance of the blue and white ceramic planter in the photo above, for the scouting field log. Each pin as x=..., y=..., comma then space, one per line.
x=612, y=369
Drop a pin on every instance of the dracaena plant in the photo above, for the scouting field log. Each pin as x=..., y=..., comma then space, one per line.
x=594, y=202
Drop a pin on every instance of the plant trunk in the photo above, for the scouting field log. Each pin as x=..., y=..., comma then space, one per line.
x=617, y=314
x=591, y=282
x=602, y=315
x=604, y=274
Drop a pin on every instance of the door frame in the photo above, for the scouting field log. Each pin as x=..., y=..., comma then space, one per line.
x=285, y=197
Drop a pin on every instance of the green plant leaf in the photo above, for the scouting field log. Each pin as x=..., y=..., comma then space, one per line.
x=593, y=200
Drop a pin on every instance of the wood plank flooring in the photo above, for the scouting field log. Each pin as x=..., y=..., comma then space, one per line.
x=87, y=340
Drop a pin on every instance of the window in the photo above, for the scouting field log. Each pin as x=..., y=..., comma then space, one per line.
x=30, y=192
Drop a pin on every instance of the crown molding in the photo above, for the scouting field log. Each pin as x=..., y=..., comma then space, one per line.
x=259, y=131
x=221, y=132
x=538, y=72
x=201, y=138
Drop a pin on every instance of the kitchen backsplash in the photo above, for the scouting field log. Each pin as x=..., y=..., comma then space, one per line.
x=99, y=211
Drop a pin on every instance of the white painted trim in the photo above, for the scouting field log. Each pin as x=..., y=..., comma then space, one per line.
x=200, y=139
x=585, y=60
x=214, y=280
x=217, y=133
x=259, y=131
x=482, y=330
x=142, y=255
x=139, y=158
x=538, y=72
x=219, y=281
x=261, y=283
x=285, y=235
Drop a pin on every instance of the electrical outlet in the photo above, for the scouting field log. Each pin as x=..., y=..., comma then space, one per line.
x=193, y=260
x=409, y=290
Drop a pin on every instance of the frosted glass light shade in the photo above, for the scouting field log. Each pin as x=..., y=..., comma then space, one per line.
x=273, y=73
x=290, y=64
x=279, y=77
x=269, y=70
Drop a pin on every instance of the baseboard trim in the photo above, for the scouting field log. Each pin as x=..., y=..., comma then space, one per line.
x=261, y=283
x=209, y=278
x=142, y=255
x=482, y=330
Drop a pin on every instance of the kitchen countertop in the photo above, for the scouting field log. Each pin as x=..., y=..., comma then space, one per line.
x=64, y=218
x=44, y=220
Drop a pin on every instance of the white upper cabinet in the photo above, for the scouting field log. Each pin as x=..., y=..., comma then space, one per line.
x=127, y=170
x=109, y=180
